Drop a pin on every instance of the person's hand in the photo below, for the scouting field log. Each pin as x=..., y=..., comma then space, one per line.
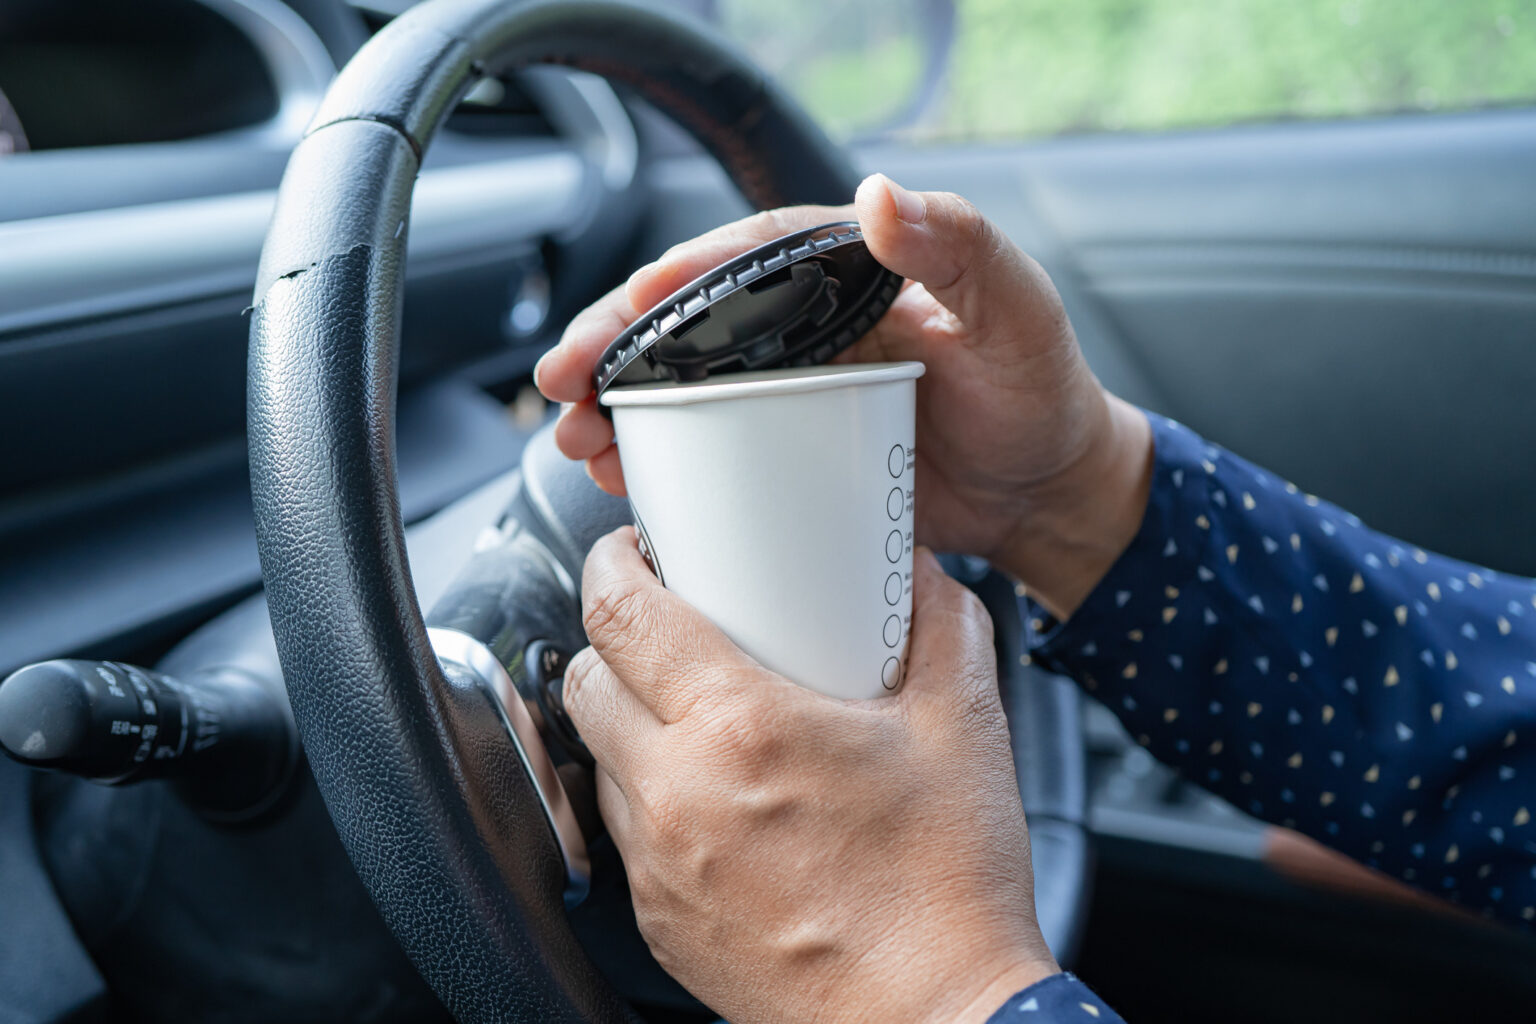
x=1022, y=457
x=798, y=858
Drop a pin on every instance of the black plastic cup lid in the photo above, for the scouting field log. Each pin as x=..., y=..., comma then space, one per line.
x=796, y=301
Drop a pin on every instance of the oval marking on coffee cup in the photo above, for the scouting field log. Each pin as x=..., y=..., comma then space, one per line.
x=890, y=673
x=893, y=546
x=896, y=462
x=892, y=631
x=894, y=503
x=893, y=588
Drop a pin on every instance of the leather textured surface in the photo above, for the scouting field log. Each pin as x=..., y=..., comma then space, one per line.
x=319, y=213
x=427, y=795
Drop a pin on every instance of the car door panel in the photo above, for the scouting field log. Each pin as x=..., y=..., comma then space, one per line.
x=1350, y=304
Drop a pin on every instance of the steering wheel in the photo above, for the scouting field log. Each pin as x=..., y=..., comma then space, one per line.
x=442, y=753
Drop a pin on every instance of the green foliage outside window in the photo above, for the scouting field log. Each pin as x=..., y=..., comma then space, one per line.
x=1019, y=68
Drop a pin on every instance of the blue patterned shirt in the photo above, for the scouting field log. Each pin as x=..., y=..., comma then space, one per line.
x=1318, y=675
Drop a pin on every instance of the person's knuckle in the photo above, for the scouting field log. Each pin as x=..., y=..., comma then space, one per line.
x=970, y=608
x=737, y=735
x=957, y=598
x=702, y=865
x=965, y=216
x=954, y=598
x=764, y=222
x=973, y=218
x=642, y=886
x=656, y=929
x=674, y=252
x=648, y=893
x=618, y=612
x=762, y=802
x=971, y=626
x=983, y=239
x=579, y=675
x=601, y=316
x=687, y=829
x=644, y=893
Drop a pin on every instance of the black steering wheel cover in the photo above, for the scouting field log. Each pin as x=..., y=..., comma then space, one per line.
x=427, y=795
x=432, y=806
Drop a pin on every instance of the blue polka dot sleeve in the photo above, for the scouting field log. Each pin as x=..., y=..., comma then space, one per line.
x=1321, y=675
x=1059, y=999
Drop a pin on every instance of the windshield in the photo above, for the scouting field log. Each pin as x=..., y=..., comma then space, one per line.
x=980, y=70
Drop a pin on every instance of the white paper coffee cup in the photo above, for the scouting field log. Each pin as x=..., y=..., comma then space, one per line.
x=779, y=503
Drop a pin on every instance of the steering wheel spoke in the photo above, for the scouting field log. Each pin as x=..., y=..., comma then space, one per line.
x=469, y=662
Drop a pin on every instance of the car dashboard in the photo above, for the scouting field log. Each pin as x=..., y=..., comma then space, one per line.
x=132, y=213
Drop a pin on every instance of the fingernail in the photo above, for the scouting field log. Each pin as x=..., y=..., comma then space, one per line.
x=909, y=205
x=538, y=370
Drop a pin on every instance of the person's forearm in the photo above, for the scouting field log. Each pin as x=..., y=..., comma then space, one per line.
x=1321, y=675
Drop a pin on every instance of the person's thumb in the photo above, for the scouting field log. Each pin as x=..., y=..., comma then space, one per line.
x=941, y=241
x=950, y=660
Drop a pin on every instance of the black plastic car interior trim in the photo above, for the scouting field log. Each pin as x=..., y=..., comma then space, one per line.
x=128, y=567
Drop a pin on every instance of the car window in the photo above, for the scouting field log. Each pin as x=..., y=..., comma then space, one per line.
x=940, y=70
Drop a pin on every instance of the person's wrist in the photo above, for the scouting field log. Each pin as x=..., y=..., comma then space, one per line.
x=1075, y=526
x=996, y=991
x=962, y=971
x=958, y=971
